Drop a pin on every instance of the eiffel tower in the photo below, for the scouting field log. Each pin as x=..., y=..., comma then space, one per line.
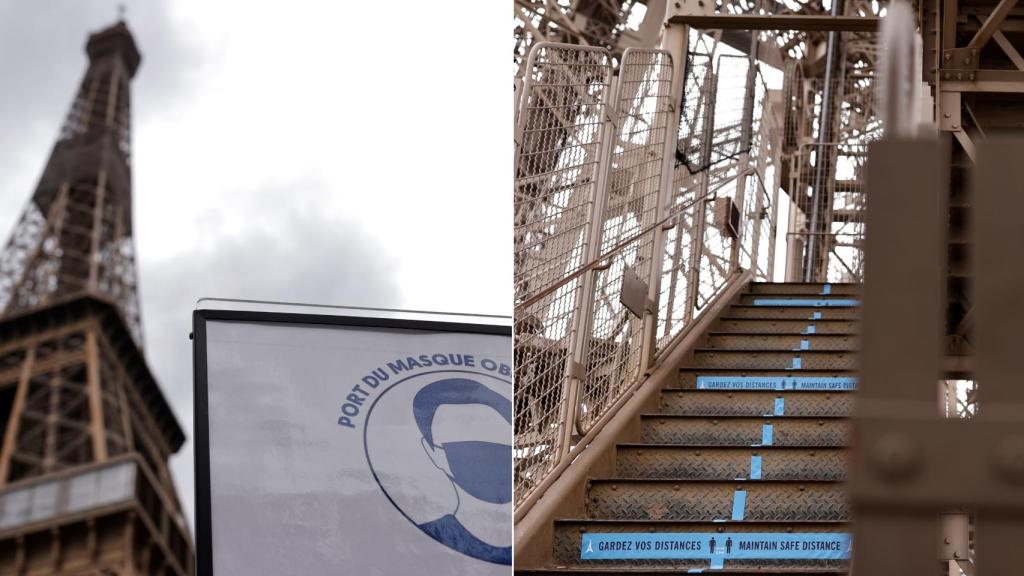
x=85, y=487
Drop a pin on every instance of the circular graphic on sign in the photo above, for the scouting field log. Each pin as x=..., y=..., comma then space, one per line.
x=439, y=445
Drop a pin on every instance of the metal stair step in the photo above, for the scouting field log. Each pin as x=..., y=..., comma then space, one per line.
x=770, y=341
x=690, y=402
x=716, y=501
x=690, y=377
x=730, y=463
x=785, y=326
x=814, y=300
x=803, y=288
x=744, y=431
x=569, y=536
x=770, y=359
x=794, y=312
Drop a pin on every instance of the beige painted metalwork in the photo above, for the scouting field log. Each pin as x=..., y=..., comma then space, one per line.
x=604, y=240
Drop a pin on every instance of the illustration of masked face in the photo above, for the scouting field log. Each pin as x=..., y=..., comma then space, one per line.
x=471, y=447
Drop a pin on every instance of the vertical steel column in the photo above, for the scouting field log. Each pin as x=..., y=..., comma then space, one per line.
x=819, y=196
x=583, y=318
x=700, y=202
x=999, y=282
x=895, y=533
x=743, y=162
x=675, y=41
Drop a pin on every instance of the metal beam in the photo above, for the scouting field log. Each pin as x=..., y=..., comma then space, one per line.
x=780, y=22
x=1004, y=81
x=982, y=36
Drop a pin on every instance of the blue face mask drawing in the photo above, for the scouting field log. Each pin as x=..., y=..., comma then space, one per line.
x=481, y=469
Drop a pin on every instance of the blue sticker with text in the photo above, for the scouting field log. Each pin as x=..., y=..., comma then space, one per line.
x=816, y=303
x=818, y=383
x=718, y=547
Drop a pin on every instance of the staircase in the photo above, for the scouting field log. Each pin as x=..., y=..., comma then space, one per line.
x=746, y=455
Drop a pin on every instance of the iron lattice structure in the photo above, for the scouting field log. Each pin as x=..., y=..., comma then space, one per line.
x=75, y=234
x=84, y=481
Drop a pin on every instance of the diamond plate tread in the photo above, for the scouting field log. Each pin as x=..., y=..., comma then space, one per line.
x=653, y=499
x=832, y=342
x=567, y=543
x=762, y=359
x=794, y=312
x=729, y=463
x=693, y=402
x=749, y=298
x=732, y=431
x=784, y=326
x=802, y=288
x=688, y=376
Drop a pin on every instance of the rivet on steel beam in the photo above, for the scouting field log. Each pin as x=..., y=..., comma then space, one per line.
x=956, y=126
x=945, y=115
x=967, y=60
x=947, y=56
x=959, y=76
x=971, y=76
x=895, y=457
x=1008, y=459
x=675, y=486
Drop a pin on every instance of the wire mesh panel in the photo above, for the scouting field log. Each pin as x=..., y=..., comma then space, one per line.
x=559, y=143
x=629, y=213
x=677, y=255
x=843, y=244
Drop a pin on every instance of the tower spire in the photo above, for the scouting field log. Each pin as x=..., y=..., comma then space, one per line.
x=75, y=234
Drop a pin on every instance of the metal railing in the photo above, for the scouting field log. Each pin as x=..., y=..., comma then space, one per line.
x=620, y=240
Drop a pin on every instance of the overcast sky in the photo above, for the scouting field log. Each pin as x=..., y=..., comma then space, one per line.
x=327, y=152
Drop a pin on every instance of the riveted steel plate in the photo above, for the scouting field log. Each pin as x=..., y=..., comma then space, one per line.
x=840, y=342
x=794, y=312
x=708, y=501
x=794, y=360
x=785, y=431
x=786, y=326
x=688, y=376
x=755, y=403
x=799, y=288
x=701, y=463
x=568, y=535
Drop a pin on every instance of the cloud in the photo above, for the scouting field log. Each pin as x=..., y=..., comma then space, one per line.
x=305, y=256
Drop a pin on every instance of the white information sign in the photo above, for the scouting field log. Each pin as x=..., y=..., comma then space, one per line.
x=341, y=445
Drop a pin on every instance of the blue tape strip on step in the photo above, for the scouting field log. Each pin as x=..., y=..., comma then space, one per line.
x=805, y=344
x=819, y=383
x=797, y=363
x=816, y=303
x=816, y=316
x=810, y=329
x=739, y=504
x=766, y=434
x=755, y=467
x=716, y=547
x=717, y=563
x=826, y=290
x=780, y=406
